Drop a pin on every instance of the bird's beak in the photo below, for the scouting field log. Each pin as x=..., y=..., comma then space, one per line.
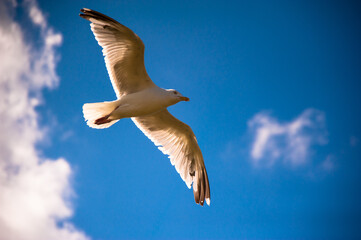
x=184, y=99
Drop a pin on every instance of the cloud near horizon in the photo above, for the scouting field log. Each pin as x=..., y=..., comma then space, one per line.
x=290, y=142
x=35, y=192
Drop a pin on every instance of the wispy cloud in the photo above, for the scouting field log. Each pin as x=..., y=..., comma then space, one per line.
x=328, y=164
x=289, y=142
x=35, y=191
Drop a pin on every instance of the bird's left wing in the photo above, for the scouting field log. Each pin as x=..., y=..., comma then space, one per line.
x=177, y=140
x=123, y=51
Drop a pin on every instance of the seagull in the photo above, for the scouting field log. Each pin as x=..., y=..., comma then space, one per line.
x=144, y=102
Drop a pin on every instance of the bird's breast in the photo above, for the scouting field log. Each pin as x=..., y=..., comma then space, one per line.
x=140, y=104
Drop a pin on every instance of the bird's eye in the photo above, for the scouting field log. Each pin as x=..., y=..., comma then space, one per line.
x=175, y=92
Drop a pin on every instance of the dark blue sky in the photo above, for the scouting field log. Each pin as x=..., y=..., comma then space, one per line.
x=234, y=60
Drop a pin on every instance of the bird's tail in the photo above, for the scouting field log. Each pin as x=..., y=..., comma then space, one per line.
x=97, y=114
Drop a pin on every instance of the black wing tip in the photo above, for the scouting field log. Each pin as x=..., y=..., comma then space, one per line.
x=201, y=202
x=84, y=13
x=88, y=13
x=203, y=190
x=84, y=10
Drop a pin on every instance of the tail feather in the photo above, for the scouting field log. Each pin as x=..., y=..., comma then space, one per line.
x=96, y=114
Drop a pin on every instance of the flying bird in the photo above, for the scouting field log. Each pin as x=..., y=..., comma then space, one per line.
x=144, y=102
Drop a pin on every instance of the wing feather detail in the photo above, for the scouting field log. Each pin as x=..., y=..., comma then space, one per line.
x=177, y=140
x=123, y=53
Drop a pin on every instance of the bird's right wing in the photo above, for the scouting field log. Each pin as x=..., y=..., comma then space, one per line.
x=123, y=51
x=177, y=140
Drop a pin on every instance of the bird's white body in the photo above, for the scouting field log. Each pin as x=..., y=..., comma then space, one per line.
x=144, y=102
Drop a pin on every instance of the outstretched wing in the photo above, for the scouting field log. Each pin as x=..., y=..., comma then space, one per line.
x=177, y=140
x=123, y=51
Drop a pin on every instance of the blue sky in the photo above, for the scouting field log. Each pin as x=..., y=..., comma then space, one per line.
x=275, y=105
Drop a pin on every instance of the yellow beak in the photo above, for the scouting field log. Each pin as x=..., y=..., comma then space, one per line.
x=184, y=99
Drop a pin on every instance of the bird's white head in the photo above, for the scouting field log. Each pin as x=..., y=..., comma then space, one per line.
x=176, y=95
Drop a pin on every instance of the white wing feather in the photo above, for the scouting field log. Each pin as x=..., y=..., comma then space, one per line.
x=177, y=140
x=123, y=51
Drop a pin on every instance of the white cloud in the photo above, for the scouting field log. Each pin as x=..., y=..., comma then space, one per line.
x=289, y=141
x=35, y=191
x=37, y=16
